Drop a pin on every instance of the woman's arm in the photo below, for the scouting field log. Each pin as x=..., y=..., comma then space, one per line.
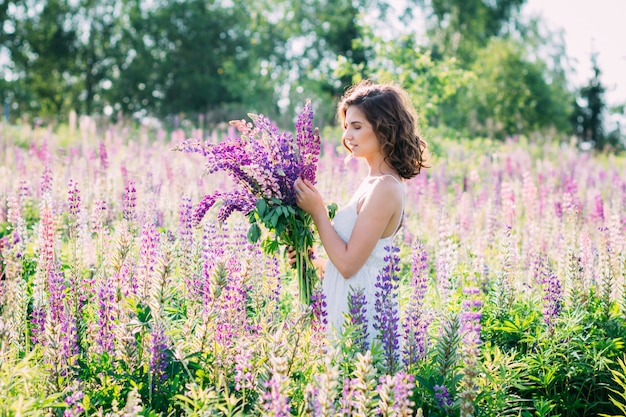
x=374, y=216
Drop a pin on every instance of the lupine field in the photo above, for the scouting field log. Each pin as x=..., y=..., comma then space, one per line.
x=509, y=270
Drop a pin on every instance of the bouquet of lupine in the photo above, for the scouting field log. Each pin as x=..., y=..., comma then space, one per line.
x=264, y=164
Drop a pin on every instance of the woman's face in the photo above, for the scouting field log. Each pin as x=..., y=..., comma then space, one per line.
x=359, y=136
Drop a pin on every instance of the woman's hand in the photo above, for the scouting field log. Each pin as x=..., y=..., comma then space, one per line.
x=291, y=256
x=308, y=198
x=318, y=263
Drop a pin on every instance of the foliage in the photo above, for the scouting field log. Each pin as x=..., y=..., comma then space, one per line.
x=206, y=62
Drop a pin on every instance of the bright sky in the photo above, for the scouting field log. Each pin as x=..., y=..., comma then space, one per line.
x=590, y=26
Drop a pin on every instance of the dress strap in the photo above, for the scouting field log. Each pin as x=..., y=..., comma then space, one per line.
x=402, y=212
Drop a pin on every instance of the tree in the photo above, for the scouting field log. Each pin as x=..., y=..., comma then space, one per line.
x=431, y=83
x=460, y=28
x=510, y=94
x=588, y=116
x=189, y=57
x=42, y=46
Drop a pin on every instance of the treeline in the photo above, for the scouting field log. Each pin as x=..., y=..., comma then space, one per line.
x=475, y=68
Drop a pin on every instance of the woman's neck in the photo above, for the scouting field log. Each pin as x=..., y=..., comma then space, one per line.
x=380, y=170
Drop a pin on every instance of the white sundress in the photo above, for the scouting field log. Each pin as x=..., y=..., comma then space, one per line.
x=336, y=288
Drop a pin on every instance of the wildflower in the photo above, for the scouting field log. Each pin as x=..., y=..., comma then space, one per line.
x=46, y=181
x=147, y=258
x=73, y=201
x=318, y=304
x=386, y=319
x=243, y=378
x=38, y=322
x=104, y=159
x=395, y=395
x=446, y=258
x=358, y=392
x=158, y=355
x=130, y=201
x=46, y=241
x=322, y=391
x=74, y=404
x=185, y=224
x=106, y=316
x=553, y=298
x=357, y=318
x=232, y=318
x=275, y=400
x=416, y=323
x=442, y=396
x=470, y=330
x=265, y=163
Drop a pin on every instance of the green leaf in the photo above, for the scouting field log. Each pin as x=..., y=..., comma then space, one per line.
x=261, y=207
x=274, y=220
x=332, y=210
x=254, y=232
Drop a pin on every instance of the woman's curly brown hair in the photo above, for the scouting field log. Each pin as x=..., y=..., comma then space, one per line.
x=394, y=120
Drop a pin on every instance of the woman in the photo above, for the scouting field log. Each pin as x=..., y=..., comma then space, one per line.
x=380, y=127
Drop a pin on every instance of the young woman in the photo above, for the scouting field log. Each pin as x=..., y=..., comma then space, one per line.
x=380, y=127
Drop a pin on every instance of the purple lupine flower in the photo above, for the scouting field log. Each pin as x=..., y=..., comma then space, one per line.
x=98, y=216
x=357, y=317
x=38, y=323
x=416, y=322
x=23, y=192
x=56, y=294
x=73, y=201
x=539, y=268
x=263, y=162
x=272, y=282
x=308, y=141
x=442, y=396
x=598, y=212
x=147, y=258
x=240, y=201
x=345, y=401
x=69, y=338
x=552, y=299
x=232, y=318
x=185, y=223
x=212, y=255
x=102, y=153
x=318, y=305
x=395, y=395
x=74, y=404
x=185, y=241
x=275, y=400
x=130, y=201
x=46, y=181
x=106, y=316
x=470, y=330
x=244, y=380
x=205, y=205
x=321, y=392
x=446, y=258
x=158, y=355
x=386, y=319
